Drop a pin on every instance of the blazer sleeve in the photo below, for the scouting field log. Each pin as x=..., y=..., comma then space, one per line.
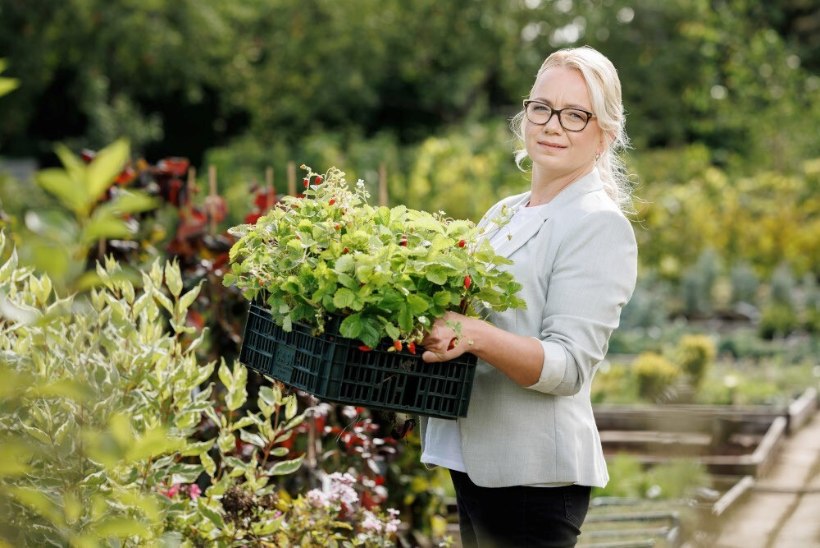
x=593, y=277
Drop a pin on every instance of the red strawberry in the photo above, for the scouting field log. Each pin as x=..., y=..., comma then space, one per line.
x=462, y=243
x=318, y=179
x=331, y=201
x=365, y=348
x=397, y=345
x=403, y=241
x=411, y=347
x=306, y=182
x=468, y=281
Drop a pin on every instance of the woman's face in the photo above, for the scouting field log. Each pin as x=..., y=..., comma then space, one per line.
x=554, y=151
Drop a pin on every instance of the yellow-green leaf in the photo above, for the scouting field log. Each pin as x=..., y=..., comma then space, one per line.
x=107, y=164
x=57, y=182
x=173, y=279
x=119, y=527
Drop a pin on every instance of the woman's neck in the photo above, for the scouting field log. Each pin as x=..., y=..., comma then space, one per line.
x=546, y=184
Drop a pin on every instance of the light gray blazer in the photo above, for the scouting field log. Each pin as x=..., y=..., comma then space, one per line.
x=578, y=267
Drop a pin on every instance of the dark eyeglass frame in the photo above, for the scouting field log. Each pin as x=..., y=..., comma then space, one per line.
x=557, y=112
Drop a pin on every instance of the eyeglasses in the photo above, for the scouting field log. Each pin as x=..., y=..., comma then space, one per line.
x=571, y=119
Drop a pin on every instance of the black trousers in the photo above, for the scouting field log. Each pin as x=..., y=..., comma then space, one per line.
x=519, y=516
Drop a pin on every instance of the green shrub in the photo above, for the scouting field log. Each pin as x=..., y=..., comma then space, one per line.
x=654, y=374
x=109, y=435
x=695, y=354
x=777, y=320
x=783, y=286
x=744, y=283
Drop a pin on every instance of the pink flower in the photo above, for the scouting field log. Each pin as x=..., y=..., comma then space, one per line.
x=172, y=491
x=194, y=491
x=371, y=522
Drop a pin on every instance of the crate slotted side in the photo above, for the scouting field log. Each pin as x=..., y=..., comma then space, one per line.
x=333, y=368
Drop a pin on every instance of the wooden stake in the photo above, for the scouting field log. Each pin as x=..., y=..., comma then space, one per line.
x=292, y=178
x=191, y=186
x=212, y=193
x=383, y=199
x=269, y=186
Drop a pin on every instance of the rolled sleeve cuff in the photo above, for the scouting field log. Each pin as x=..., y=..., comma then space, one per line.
x=553, y=369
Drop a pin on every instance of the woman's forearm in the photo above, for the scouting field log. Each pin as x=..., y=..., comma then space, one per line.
x=520, y=358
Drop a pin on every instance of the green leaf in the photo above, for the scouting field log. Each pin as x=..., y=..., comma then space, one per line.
x=405, y=319
x=185, y=473
x=286, y=467
x=392, y=331
x=57, y=182
x=225, y=375
x=196, y=448
x=351, y=327
x=173, y=278
x=119, y=527
x=14, y=458
x=104, y=228
x=73, y=164
x=417, y=304
x=290, y=407
x=187, y=300
x=8, y=85
x=343, y=298
x=344, y=264
x=64, y=388
x=442, y=299
x=153, y=443
x=104, y=168
x=208, y=464
x=436, y=275
x=267, y=527
x=164, y=301
x=237, y=394
x=38, y=502
x=253, y=439
x=211, y=514
x=133, y=202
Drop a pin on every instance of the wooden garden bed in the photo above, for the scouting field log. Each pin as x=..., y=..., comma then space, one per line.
x=728, y=440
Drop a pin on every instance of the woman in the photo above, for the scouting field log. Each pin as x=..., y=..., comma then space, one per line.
x=525, y=458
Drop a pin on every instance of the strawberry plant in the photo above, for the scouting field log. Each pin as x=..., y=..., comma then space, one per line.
x=388, y=272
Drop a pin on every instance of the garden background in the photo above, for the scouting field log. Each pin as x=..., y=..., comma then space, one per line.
x=211, y=101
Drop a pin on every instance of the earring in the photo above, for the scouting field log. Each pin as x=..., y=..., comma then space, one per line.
x=597, y=157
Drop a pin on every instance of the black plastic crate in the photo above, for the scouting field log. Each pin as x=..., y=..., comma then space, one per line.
x=333, y=368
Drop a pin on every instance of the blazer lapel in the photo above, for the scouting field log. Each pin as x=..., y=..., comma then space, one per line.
x=523, y=233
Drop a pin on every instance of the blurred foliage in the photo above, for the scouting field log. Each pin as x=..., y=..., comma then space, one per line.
x=687, y=208
x=695, y=354
x=85, y=212
x=735, y=75
x=674, y=480
x=746, y=369
x=111, y=435
x=654, y=374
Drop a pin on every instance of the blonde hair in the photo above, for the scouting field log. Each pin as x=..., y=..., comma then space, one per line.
x=604, y=87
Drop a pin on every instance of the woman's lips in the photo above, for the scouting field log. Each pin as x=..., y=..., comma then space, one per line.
x=554, y=146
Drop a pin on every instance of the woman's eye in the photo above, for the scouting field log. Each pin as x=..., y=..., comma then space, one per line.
x=575, y=115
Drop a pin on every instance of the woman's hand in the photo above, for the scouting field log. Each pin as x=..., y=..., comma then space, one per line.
x=448, y=339
x=520, y=358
